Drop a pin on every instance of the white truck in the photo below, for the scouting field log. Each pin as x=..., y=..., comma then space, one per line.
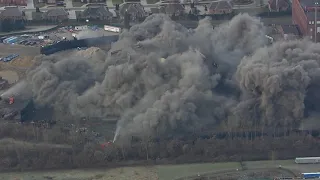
x=307, y=160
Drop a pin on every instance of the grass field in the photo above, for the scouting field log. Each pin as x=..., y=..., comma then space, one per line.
x=117, y=2
x=160, y=172
x=169, y=172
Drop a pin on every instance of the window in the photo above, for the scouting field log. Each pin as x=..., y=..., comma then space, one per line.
x=311, y=29
x=309, y=22
x=318, y=22
x=318, y=29
x=312, y=22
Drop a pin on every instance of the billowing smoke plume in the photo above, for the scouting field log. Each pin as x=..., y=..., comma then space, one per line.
x=281, y=83
x=161, y=77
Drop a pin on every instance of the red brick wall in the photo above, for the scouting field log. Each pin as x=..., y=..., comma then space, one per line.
x=299, y=17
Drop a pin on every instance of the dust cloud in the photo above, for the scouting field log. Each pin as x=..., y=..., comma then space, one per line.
x=161, y=77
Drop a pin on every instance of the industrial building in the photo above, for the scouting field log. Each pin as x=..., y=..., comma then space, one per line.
x=306, y=18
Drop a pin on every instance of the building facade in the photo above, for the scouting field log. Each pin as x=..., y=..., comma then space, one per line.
x=304, y=16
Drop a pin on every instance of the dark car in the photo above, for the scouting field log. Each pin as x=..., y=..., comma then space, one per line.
x=3, y=38
x=23, y=42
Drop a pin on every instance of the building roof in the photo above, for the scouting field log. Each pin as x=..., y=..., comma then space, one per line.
x=96, y=12
x=279, y=4
x=216, y=5
x=311, y=16
x=56, y=12
x=155, y=10
x=12, y=12
x=172, y=8
x=131, y=8
x=290, y=29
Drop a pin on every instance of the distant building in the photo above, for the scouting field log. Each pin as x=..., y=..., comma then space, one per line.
x=12, y=18
x=135, y=10
x=13, y=2
x=96, y=13
x=56, y=15
x=14, y=13
x=171, y=9
x=303, y=15
x=220, y=7
x=278, y=5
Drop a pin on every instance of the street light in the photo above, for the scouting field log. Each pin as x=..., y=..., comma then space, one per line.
x=315, y=23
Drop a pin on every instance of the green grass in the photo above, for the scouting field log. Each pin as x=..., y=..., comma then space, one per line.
x=269, y=163
x=169, y=172
x=114, y=2
x=152, y=1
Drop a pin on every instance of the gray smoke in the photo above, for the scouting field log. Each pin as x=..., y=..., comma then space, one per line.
x=161, y=77
x=281, y=83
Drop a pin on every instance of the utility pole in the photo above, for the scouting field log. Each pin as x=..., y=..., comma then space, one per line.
x=315, y=21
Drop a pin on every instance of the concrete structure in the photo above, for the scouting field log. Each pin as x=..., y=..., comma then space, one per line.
x=303, y=15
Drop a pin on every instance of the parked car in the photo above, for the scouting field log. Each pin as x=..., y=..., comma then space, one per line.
x=23, y=42
x=10, y=57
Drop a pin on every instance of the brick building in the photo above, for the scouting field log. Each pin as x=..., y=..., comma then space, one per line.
x=303, y=15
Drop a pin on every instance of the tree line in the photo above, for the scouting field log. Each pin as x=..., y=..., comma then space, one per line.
x=25, y=147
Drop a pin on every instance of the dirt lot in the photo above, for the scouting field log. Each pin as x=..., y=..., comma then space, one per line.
x=16, y=68
x=18, y=49
x=10, y=76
